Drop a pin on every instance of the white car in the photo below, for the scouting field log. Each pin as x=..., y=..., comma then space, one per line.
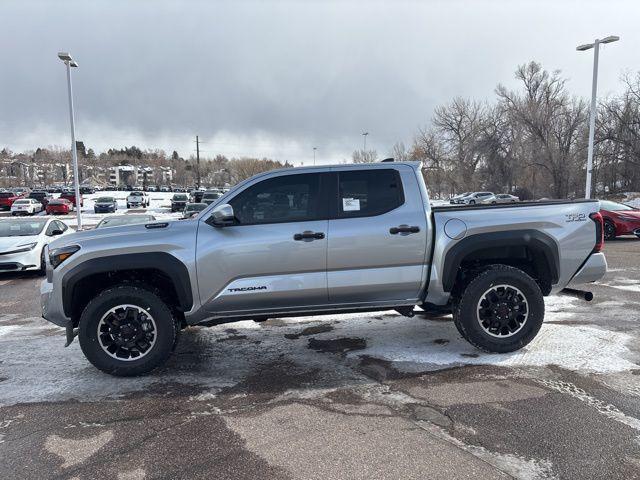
x=26, y=206
x=475, y=197
x=138, y=199
x=22, y=241
x=501, y=198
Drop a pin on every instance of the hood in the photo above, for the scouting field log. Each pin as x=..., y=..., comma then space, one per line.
x=10, y=243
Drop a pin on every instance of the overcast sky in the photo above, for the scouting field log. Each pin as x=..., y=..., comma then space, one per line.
x=278, y=78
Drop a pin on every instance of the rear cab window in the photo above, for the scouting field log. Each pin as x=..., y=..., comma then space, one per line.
x=366, y=193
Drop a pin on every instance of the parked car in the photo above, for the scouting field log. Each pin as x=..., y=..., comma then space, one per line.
x=455, y=199
x=71, y=196
x=26, y=206
x=283, y=245
x=500, y=198
x=22, y=242
x=7, y=199
x=475, y=198
x=41, y=196
x=210, y=196
x=138, y=199
x=179, y=202
x=192, y=209
x=196, y=196
x=151, y=188
x=119, y=220
x=619, y=219
x=105, y=205
x=59, y=206
x=87, y=190
x=165, y=188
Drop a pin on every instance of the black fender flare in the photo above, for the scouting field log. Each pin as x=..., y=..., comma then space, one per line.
x=535, y=240
x=173, y=268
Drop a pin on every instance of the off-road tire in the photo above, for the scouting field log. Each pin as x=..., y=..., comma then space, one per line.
x=166, y=330
x=465, y=313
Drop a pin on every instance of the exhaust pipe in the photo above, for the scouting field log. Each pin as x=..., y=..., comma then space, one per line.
x=581, y=294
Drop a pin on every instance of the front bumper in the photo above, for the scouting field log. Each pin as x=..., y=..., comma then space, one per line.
x=104, y=209
x=16, y=262
x=51, y=299
x=594, y=269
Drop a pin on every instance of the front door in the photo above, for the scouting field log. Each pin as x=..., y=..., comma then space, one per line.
x=275, y=255
x=377, y=236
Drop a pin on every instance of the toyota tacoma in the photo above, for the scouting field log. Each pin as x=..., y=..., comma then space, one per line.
x=320, y=240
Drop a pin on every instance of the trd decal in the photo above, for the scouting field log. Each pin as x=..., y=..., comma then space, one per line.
x=247, y=289
x=576, y=217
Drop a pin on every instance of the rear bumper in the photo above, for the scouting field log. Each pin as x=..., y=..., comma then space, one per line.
x=594, y=269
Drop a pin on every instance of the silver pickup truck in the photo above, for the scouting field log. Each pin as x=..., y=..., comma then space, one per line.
x=319, y=240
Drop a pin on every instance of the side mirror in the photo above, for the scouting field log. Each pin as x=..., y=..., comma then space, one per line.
x=222, y=216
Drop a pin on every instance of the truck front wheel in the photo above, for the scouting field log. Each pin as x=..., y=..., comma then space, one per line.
x=127, y=331
x=501, y=310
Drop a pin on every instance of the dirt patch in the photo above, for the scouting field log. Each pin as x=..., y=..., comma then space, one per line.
x=441, y=341
x=338, y=345
x=314, y=330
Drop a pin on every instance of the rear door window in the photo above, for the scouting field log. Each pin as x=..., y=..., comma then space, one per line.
x=365, y=193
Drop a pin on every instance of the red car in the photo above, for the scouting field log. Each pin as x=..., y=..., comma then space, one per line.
x=59, y=206
x=71, y=196
x=7, y=199
x=619, y=219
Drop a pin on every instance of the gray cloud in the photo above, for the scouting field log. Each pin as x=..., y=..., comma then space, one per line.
x=278, y=78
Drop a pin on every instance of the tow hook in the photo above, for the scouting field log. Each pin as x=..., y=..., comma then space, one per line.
x=581, y=294
x=406, y=311
x=71, y=334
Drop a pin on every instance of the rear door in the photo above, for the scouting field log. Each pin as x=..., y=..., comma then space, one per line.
x=377, y=235
x=275, y=256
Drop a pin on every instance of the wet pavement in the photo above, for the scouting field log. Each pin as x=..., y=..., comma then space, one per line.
x=341, y=396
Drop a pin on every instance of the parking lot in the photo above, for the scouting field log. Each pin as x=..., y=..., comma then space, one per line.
x=343, y=396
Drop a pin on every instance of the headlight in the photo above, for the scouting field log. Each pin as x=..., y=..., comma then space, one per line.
x=22, y=248
x=59, y=255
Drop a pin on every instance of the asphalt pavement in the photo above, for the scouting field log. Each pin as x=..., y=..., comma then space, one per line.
x=366, y=396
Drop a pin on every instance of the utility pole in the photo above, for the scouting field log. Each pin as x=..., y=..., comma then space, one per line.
x=198, y=160
x=364, y=134
x=314, y=155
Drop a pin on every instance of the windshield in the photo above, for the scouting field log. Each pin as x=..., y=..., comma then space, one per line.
x=6, y=195
x=125, y=220
x=20, y=228
x=613, y=206
x=21, y=202
x=105, y=200
x=211, y=196
x=180, y=197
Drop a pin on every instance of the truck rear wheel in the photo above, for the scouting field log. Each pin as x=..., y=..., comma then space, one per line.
x=501, y=310
x=127, y=331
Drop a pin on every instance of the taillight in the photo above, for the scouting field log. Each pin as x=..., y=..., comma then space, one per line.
x=597, y=218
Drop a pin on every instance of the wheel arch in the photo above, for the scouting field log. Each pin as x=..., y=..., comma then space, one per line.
x=530, y=250
x=159, y=270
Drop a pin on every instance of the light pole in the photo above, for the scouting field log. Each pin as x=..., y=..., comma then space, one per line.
x=592, y=116
x=314, y=155
x=364, y=135
x=69, y=62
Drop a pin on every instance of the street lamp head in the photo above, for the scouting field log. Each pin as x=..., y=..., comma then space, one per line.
x=65, y=56
x=73, y=63
x=610, y=39
x=582, y=48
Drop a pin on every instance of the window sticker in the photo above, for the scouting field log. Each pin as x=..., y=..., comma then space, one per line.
x=350, y=204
